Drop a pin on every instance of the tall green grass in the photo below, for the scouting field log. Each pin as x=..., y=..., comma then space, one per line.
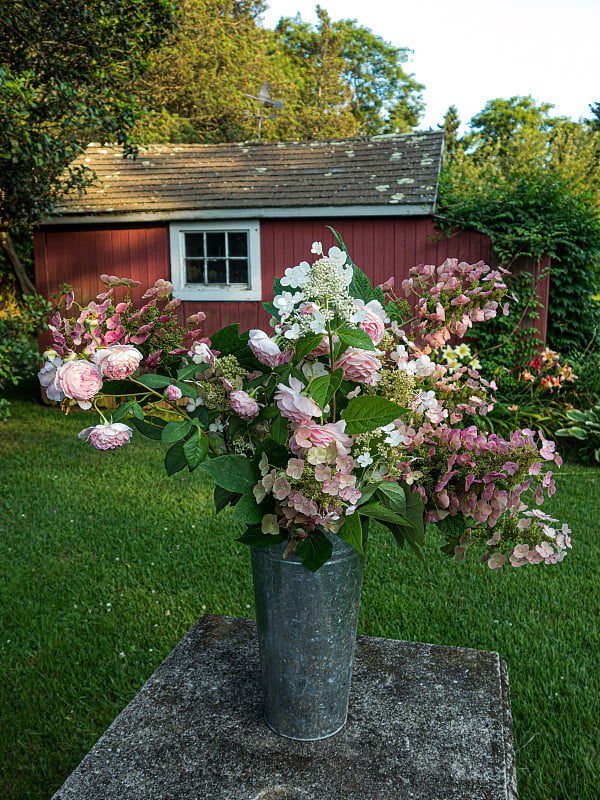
x=105, y=563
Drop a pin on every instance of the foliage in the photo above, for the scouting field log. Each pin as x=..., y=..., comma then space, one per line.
x=585, y=429
x=339, y=418
x=66, y=77
x=383, y=98
x=335, y=80
x=450, y=126
x=19, y=322
x=529, y=214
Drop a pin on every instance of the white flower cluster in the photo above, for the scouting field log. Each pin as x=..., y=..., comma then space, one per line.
x=322, y=294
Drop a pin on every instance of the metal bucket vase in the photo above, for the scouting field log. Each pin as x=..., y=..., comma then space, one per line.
x=306, y=624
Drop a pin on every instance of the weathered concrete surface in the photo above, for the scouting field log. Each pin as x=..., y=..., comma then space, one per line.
x=425, y=723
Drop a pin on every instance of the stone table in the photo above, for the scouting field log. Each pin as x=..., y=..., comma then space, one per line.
x=425, y=722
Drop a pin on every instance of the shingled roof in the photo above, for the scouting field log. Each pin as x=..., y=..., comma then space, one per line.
x=396, y=173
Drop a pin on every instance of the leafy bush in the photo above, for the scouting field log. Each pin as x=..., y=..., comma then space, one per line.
x=585, y=430
x=19, y=354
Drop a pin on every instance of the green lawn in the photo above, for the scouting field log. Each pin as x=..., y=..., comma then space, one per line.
x=105, y=563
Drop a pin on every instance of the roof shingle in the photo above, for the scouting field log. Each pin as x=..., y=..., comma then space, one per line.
x=390, y=170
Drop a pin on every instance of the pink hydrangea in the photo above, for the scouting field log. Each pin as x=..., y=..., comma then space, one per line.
x=80, y=380
x=108, y=436
x=118, y=362
x=243, y=404
x=358, y=365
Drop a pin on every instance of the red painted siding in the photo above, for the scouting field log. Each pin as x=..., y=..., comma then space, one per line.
x=382, y=247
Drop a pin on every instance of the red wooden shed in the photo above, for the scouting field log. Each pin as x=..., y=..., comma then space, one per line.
x=221, y=221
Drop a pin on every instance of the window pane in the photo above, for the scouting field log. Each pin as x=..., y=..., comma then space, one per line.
x=215, y=245
x=215, y=270
x=238, y=244
x=238, y=270
x=194, y=245
x=194, y=270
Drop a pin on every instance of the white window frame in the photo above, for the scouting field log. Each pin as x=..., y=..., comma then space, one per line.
x=215, y=292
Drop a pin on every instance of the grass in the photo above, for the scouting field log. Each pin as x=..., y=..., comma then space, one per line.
x=105, y=563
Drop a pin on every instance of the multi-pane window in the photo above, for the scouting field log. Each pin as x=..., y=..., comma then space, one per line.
x=216, y=260
x=216, y=257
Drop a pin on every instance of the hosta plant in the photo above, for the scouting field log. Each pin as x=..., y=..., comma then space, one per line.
x=584, y=432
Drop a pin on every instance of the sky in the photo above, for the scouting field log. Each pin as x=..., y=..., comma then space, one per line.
x=467, y=52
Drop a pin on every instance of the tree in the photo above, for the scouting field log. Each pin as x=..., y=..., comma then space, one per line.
x=196, y=88
x=67, y=74
x=595, y=123
x=383, y=97
x=450, y=126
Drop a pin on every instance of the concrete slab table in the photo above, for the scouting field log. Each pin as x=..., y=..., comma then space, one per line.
x=425, y=723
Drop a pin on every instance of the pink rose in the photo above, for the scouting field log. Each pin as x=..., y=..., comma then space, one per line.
x=358, y=365
x=267, y=350
x=311, y=435
x=293, y=405
x=243, y=404
x=375, y=317
x=118, y=362
x=107, y=437
x=79, y=380
x=173, y=393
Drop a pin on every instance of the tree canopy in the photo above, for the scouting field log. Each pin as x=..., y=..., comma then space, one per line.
x=67, y=74
x=334, y=79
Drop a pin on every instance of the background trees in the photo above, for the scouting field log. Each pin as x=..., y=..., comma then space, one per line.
x=67, y=77
x=532, y=183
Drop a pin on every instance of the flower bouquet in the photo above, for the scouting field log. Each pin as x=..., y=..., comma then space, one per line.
x=348, y=410
x=340, y=414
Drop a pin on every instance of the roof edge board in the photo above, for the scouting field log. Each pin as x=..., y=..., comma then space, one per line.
x=387, y=210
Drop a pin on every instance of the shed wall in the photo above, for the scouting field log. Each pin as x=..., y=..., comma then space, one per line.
x=382, y=247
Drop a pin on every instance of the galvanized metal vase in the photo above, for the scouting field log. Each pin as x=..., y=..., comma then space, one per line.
x=306, y=625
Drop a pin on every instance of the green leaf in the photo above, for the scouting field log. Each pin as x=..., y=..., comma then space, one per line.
x=195, y=449
x=233, y=472
x=314, y=551
x=247, y=510
x=575, y=416
x=175, y=431
x=383, y=514
x=190, y=371
x=392, y=496
x=223, y=498
x=175, y=459
x=363, y=414
x=202, y=416
x=151, y=430
x=137, y=411
x=355, y=337
x=122, y=411
x=307, y=344
x=351, y=532
x=361, y=285
x=121, y=388
x=271, y=309
x=277, y=454
x=324, y=387
x=155, y=381
x=280, y=431
x=187, y=389
x=256, y=538
x=227, y=339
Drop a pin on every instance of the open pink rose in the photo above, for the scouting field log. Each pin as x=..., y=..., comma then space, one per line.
x=310, y=435
x=107, y=437
x=118, y=362
x=80, y=380
x=293, y=405
x=358, y=365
